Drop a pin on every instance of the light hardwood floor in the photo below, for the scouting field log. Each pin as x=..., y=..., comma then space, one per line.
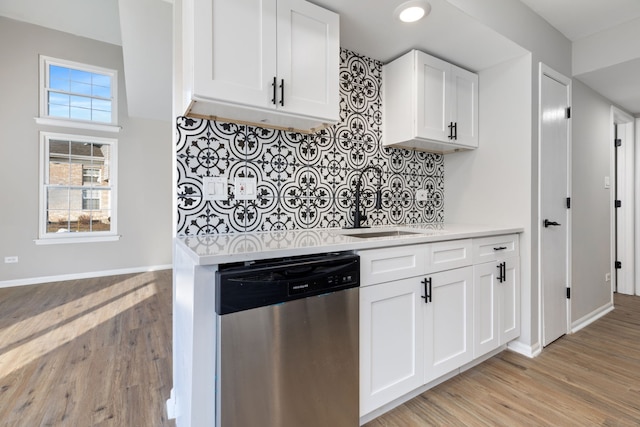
x=98, y=353
x=590, y=378
x=87, y=353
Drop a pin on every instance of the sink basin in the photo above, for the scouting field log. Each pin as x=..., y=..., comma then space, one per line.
x=371, y=234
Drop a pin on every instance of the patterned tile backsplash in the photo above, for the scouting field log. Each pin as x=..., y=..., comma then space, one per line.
x=307, y=181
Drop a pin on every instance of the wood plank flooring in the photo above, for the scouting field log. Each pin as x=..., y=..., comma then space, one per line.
x=87, y=353
x=590, y=378
x=98, y=353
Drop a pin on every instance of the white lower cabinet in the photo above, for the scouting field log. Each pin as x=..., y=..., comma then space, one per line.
x=448, y=327
x=391, y=342
x=418, y=322
x=411, y=332
x=496, y=305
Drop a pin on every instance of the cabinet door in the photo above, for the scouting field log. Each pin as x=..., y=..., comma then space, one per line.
x=433, y=110
x=308, y=59
x=465, y=106
x=486, y=300
x=391, y=345
x=510, y=302
x=234, y=50
x=448, y=322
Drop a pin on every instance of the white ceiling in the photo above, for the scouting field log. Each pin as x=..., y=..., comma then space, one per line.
x=367, y=27
x=581, y=18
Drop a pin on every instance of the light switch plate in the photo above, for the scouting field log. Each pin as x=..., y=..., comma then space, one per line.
x=245, y=188
x=214, y=188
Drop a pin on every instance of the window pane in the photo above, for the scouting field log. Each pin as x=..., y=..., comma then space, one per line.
x=80, y=113
x=57, y=221
x=59, y=147
x=80, y=101
x=59, y=84
x=80, y=76
x=57, y=72
x=90, y=176
x=101, y=116
x=101, y=91
x=78, y=192
x=59, y=173
x=58, y=98
x=75, y=200
x=57, y=198
x=101, y=104
x=59, y=111
x=85, y=87
x=101, y=80
x=81, y=88
x=101, y=220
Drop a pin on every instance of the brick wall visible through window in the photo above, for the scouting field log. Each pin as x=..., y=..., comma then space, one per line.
x=78, y=185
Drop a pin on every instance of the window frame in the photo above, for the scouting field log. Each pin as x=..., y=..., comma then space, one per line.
x=45, y=119
x=45, y=237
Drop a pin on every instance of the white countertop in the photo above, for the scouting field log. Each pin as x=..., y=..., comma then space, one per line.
x=224, y=248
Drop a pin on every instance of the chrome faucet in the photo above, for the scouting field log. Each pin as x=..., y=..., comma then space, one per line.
x=359, y=217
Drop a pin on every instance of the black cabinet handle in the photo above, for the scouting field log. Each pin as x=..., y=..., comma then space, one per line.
x=455, y=131
x=427, y=290
x=274, y=84
x=282, y=92
x=500, y=248
x=502, y=272
x=548, y=223
x=450, y=130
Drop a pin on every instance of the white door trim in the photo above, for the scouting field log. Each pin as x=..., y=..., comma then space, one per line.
x=545, y=70
x=637, y=206
x=626, y=224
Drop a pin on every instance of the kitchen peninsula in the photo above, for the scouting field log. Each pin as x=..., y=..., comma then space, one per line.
x=477, y=266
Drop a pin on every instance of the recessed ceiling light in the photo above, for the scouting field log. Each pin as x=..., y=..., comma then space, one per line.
x=412, y=11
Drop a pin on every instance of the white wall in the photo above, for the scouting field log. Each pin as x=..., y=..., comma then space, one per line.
x=590, y=208
x=491, y=185
x=520, y=24
x=145, y=153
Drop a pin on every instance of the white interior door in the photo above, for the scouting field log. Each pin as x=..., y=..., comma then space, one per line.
x=623, y=224
x=555, y=95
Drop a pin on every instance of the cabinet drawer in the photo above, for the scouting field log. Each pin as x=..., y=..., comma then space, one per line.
x=383, y=265
x=492, y=248
x=448, y=255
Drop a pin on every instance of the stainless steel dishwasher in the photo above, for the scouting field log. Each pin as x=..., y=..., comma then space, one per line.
x=287, y=336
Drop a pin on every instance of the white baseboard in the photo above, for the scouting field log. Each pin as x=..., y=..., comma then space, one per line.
x=171, y=406
x=525, y=349
x=591, y=317
x=89, y=275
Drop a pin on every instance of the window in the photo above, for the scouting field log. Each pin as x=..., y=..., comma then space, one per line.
x=78, y=188
x=71, y=93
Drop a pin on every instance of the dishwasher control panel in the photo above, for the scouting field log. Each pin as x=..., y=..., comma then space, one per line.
x=243, y=287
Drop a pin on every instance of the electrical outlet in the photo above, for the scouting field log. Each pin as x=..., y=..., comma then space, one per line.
x=422, y=195
x=10, y=259
x=245, y=188
x=607, y=277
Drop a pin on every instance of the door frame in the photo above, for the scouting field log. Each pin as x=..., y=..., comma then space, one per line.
x=545, y=70
x=626, y=227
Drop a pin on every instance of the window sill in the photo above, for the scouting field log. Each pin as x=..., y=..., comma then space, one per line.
x=83, y=239
x=47, y=121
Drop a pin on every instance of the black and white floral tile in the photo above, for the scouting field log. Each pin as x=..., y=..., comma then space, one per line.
x=307, y=181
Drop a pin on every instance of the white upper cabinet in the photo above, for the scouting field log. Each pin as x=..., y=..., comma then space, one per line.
x=273, y=63
x=429, y=104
